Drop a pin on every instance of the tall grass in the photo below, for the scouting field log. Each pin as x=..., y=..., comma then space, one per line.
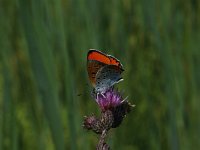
x=43, y=68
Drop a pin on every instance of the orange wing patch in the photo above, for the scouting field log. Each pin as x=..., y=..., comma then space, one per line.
x=103, y=58
x=98, y=56
x=115, y=61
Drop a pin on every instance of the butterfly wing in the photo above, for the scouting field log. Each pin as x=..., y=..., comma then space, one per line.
x=115, y=61
x=107, y=76
x=96, y=61
x=97, y=55
x=92, y=69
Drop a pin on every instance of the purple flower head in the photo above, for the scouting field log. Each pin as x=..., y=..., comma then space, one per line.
x=113, y=110
x=110, y=99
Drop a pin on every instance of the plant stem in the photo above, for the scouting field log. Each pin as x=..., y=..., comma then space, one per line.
x=102, y=144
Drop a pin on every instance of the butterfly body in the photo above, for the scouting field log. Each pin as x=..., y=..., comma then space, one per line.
x=103, y=70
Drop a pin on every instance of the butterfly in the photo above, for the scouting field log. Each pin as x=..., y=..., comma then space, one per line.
x=103, y=70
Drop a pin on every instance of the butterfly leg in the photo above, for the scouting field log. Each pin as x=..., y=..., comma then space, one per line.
x=97, y=94
x=103, y=95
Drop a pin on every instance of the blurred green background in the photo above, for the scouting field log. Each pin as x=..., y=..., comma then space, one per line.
x=45, y=91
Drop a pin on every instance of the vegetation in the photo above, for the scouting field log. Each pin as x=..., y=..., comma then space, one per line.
x=44, y=87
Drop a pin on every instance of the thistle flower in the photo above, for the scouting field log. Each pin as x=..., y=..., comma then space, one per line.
x=113, y=109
